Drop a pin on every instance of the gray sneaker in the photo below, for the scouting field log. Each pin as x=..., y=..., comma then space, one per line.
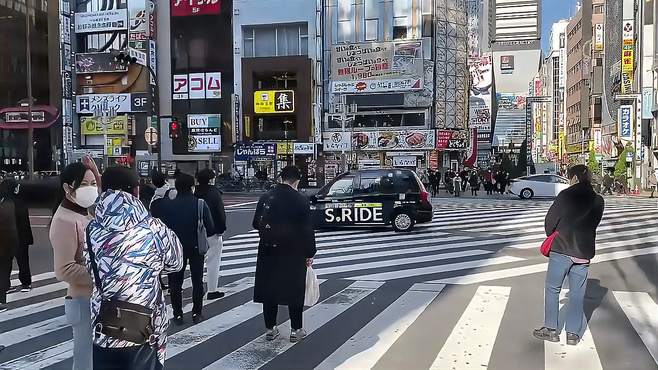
x=545, y=333
x=272, y=334
x=572, y=339
x=297, y=335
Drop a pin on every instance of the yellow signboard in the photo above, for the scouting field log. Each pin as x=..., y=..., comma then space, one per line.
x=94, y=126
x=285, y=148
x=114, y=145
x=274, y=101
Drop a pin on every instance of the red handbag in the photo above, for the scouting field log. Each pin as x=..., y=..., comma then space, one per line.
x=545, y=248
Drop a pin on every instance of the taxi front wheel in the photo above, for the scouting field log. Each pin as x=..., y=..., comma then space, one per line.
x=403, y=222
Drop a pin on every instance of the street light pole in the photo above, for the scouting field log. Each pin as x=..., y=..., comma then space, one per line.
x=28, y=77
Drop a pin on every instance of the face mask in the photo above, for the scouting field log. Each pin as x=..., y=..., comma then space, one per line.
x=86, y=196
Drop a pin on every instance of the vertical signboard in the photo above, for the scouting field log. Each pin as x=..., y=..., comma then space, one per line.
x=627, y=56
x=626, y=122
x=598, y=37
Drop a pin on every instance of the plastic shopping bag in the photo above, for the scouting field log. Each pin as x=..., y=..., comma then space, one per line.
x=312, y=292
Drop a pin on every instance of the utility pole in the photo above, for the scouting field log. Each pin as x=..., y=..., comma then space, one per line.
x=28, y=76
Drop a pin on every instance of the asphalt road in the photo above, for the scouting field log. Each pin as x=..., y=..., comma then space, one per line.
x=462, y=292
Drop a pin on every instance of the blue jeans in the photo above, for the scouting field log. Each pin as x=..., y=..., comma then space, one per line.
x=559, y=266
x=78, y=315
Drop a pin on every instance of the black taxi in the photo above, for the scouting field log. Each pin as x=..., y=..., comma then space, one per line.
x=372, y=197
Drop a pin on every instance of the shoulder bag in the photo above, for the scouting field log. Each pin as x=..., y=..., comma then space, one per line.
x=119, y=319
x=202, y=236
x=545, y=247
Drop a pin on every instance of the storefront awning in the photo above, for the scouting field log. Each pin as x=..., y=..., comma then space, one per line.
x=16, y=118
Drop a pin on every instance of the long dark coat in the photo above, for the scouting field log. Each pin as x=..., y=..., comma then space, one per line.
x=281, y=266
x=9, y=237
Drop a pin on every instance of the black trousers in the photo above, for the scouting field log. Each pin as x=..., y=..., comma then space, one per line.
x=176, y=284
x=5, y=277
x=142, y=357
x=271, y=310
x=23, y=261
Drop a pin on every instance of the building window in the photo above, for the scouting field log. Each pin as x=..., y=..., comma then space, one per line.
x=598, y=9
x=401, y=19
x=345, y=28
x=275, y=40
x=427, y=11
x=371, y=20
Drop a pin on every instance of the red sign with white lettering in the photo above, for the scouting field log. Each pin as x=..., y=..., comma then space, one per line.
x=184, y=8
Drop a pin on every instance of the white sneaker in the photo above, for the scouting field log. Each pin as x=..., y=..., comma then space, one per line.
x=297, y=335
x=3, y=307
x=272, y=334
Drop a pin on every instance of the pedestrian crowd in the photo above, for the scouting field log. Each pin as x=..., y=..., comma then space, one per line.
x=113, y=250
x=456, y=183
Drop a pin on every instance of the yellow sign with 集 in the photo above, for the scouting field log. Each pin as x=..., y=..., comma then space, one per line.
x=274, y=101
x=94, y=125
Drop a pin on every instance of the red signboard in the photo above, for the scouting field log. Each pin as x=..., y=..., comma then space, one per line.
x=184, y=8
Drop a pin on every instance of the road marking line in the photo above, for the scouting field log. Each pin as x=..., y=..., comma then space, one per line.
x=418, y=271
x=41, y=359
x=560, y=356
x=368, y=345
x=241, y=204
x=642, y=312
x=480, y=277
x=35, y=278
x=259, y=351
x=471, y=342
x=513, y=228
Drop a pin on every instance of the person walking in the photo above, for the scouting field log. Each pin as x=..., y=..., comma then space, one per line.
x=286, y=248
x=207, y=191
x=9, y=240
x=463, y=175
x=437, y=182
x=432, y=181
x=488, y=182
x=653, y=182
x=608, y=183
x=574, y=217
x=182, y=216
x=474, y=182
x=25, y=238
x=79, y=182
x=457, y=184
x=128, y=249
x=162, y=188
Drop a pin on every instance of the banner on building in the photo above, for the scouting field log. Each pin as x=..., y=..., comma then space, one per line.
x=204, y=133
x=98, y=63
x=197, y=86
x=244, y=151
x=183, y=8
x=448, y=140
x=626, y=122
x=598, y=37
x=274, y=101
x=101, y=21
x=479, y=116
x=511, y=101
x=379, y=140
x=398, y=64
x=481, y=75
x=94, y=125
x=647, y=102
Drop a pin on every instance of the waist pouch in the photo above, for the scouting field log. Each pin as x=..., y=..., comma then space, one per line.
x=125, y=321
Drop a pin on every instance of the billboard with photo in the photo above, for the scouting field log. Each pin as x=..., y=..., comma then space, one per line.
x=481, y=71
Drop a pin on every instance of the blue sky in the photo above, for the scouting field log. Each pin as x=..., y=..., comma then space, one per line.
x=554, y=10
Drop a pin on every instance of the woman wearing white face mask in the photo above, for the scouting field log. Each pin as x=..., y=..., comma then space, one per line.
x=80, y=184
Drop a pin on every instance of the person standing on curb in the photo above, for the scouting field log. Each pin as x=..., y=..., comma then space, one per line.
x=574, y=217
x=25, y=238
x=653, y=182
x=182, y=216
x=79, y=183
x=207, y=191
x=286, y=248
x=128, y=250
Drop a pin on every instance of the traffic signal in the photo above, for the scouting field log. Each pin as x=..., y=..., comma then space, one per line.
x=174, y=129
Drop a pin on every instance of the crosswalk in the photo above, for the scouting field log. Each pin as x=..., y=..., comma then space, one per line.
x=368, y=325
x=440, y=287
